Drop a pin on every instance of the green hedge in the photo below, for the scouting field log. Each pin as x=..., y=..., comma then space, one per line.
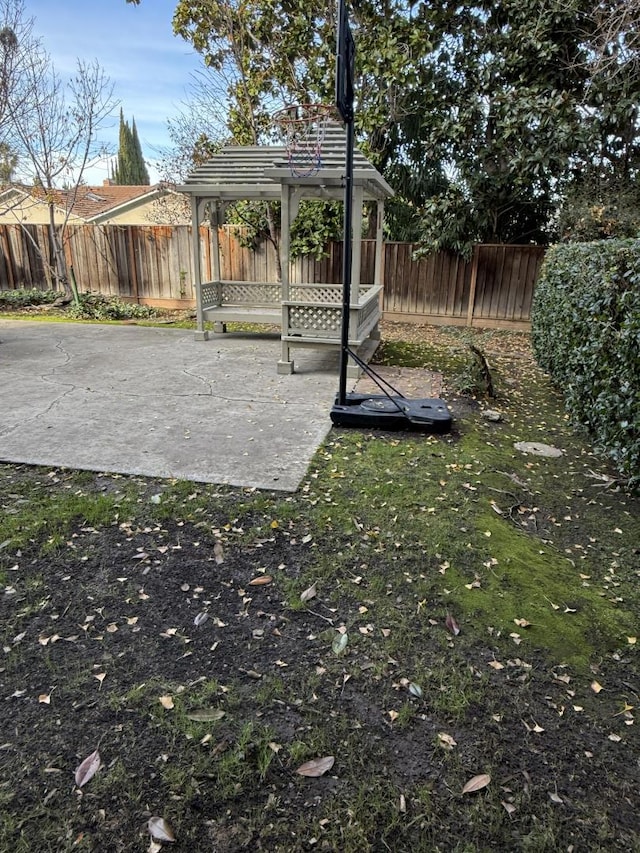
x=586, y=335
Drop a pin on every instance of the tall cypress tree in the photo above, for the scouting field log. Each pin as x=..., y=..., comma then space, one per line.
x=131, y=169
x=140, y=172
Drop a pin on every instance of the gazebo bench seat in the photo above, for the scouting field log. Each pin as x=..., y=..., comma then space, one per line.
x=244, y=314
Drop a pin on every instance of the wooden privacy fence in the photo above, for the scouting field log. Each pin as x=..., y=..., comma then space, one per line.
x=494, y=288
x=153, y=265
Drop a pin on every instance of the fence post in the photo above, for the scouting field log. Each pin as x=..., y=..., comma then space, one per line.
x=472, y=286
x=8, y=256
x=130, y=236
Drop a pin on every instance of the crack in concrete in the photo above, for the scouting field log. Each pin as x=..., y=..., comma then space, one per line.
x=6, y=431
x=36, y=415
x=217, y=396
x=204, y=381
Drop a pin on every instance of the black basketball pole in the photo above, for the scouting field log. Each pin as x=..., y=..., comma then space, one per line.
x=344, y=102
x=346, y=262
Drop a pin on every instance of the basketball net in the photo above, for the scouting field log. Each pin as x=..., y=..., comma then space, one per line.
x=303, y=127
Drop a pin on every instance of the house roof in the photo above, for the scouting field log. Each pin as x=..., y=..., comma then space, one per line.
x=95, y=203
x=257, y=171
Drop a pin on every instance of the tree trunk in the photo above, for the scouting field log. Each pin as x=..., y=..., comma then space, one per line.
x=56, y=236
x=273, y=237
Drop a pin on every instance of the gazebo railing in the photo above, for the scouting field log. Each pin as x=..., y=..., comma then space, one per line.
x=308, y=320
x=216, y=294
x=255, y=294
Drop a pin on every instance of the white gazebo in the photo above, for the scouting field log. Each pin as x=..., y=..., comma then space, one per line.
x=309, y=313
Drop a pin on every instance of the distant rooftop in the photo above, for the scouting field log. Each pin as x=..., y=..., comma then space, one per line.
x=94, y=202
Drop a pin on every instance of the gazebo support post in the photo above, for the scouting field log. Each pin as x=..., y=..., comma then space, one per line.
x=378, y=270
x=285, y=365
x=200, y=334
x=215, y=221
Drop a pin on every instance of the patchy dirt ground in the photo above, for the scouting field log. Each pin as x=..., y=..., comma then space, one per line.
x=469, y=615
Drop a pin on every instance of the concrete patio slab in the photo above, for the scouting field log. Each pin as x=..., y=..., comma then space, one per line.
x=157, y=403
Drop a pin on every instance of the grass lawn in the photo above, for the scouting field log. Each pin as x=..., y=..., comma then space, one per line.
x=451, y=623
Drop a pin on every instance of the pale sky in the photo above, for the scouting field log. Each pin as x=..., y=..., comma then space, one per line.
x=149, y=66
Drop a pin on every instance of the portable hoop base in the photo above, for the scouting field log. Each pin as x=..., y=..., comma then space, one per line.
x=381, y=411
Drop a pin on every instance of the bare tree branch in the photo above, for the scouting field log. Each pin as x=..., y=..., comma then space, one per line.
x=53, y=125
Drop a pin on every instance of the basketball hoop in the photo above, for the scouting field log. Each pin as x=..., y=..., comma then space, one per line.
x=303, y=127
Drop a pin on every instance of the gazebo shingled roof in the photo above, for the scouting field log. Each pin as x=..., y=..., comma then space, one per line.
x=258, y=171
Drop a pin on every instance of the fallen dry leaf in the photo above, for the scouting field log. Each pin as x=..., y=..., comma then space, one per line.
x=167, y=702
x=596, y=687
x=477, y=783
x=508, y=807
x=261, y=580
x=206, y=715
x=522, y=623
x=160, y=830
x=446, y=741
x=87, y=768
x=340, y=643
x=218, y=553
x=452, y=625
x=316, y=767
x=309, y=593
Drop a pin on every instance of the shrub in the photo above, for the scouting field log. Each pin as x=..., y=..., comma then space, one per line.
x=599, y=209
x=95, y=306
x=586, y=334
x=27, y=296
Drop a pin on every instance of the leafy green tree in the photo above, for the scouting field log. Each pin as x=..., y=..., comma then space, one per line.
x=141, y=174
x=478, y=113
x=131, y=169
x=498, y=106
